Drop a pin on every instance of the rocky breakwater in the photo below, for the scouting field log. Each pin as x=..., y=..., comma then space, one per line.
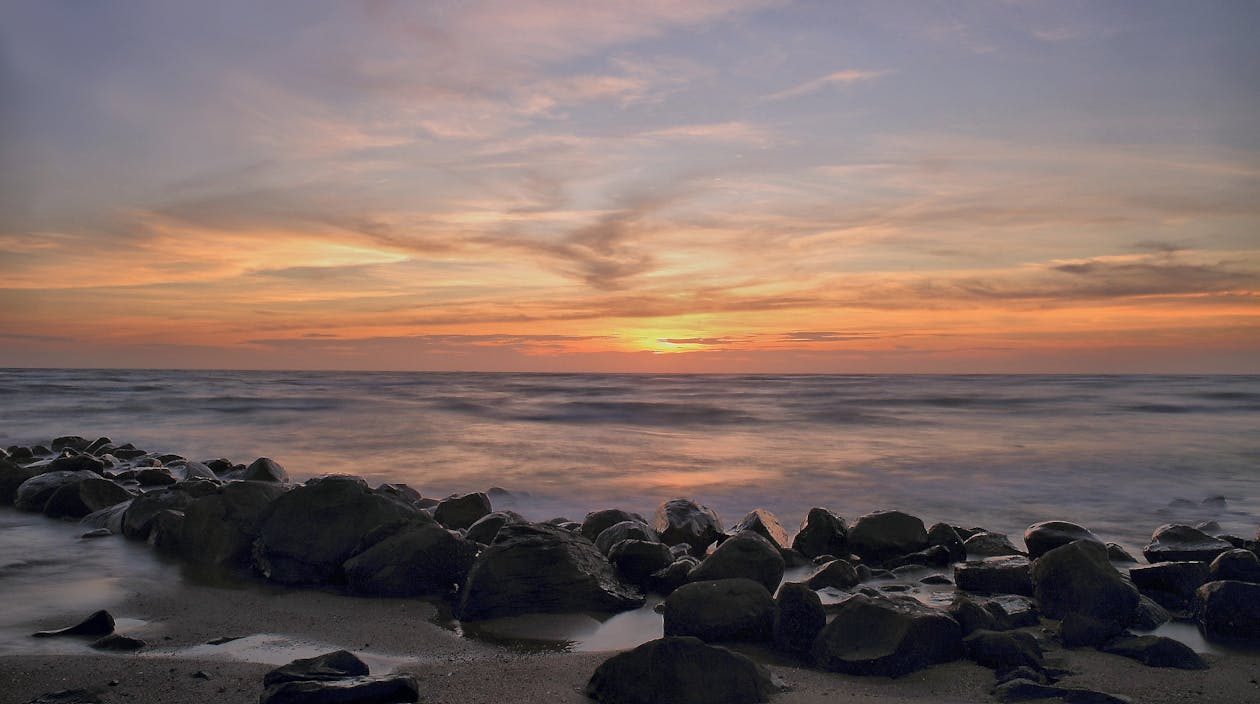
x=869, y=603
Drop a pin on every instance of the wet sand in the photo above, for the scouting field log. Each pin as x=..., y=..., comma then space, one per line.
x=179, y=617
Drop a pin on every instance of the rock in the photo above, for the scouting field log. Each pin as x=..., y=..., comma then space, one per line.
x=1149, y=615
x=1011, y=611
x=110, y=519
x=878, y=536
x=33, y=494
x=383, y=689
x=195, y=470
x=339, y=664
x=839, y=574
x=1078, y=578
x=1229, y=609
x=625, y=530
x=597, y=522
x=1041, y=538
x=1003, y=651
x=403, y=493
x=1238, y=565
x=681, y=521
x=1021, y=690
x=118, y=643
x=11, y=477
x=220, y=529
x=77, y=463
x=485, y=528
x=886, y=637
x=144, y=509
x=1156, y=651
x=460, y=512
x=538, y=568
x=313, y=529
x=746, y=554
x=155, y=476
x=1117, y=553
x=420, y=560
x=990, y=545
x=1021, y=673
x=971, y=616
x=73, y=442
x=1078, y=630
x=100, y=623
x=97, y=533
x=637, y=560
x=995, y=575
x=944, y=535
x=165, y=532
x=798, y=618
x=68, y=696
x=265, y=469
x=822, y=533
x=934, y=556
x=679, y=670
x=766, y=525
x=936, y=580
x=78, y=499
x=1175, y=542
x=665, y=581
x=1171, y=584
x=720, y=610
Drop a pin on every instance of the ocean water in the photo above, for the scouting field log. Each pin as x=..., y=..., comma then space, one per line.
x=1002, y=452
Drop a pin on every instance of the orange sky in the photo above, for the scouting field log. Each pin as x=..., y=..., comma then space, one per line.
x=716, y=187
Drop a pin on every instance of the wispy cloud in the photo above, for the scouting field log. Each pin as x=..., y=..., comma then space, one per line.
x=844, y=78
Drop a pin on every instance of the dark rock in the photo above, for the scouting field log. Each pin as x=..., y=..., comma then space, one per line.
x=886, y=637
x=401, y=492
x=1172, y=584
x=1078, y=578
x=11, y=477
x=970, y=615
x=679, y=670
x=792, y=558
x=597, y=522
x=110, y=519
x=1175, y=542
x=196, y=488
x=220, y=529
x=155, y=476
x=265, y=469
x=995, y=575
x=1149, y=615
x=419, y=560
x=1117, y=553
x=681, y=521
x=822, y=533
x=1011, y=611
x=118, y=643
x=196, y=470
x=460, y=512
x=68, y=696
x=1021, y=690
x=936, y=580
x=1003, y=651
x=97, y=533
x=336, y=665
x=95, y=446
x=625, y=530
x=990, y=545
x=1078, y=630
x=126, y=453
x=165, y=533
x=746, y=554
x=538, y=568
x=664, y=581
x=1229, y=609
x=839, y=574
x=1021, y=673
x=1041, y=538
x=77, y=463
x=78, y=499
x=637, y=560
x=765, y=524
x=73, y=442
x=720, y=610
x=383, y=689
x=1238, y=565
x=100, y=623
x=934, y=556
x=798, y=617
x=33, y=494
x=1156, y=651
x=1215, y=503
x=878, y=536
x=944, y=535
x=313, y=529
x=485, y=528
x=144, y=509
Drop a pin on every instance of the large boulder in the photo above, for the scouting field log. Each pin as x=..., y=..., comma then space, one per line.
x=720, y=610
x=1041, y=538
x=486, y=527
x=1229, y=610
x=1003, y=651
x=1170, y=584
x=313, y=529
x=424, y=559
x=11, y=477
x=637, y=560
x=995, y=575
x=679, y=670
x=143, y=510
x=886, y=637
x=220, y=529
x=970, y=615
x=798, y=617
x=1175, y=543
x=264, y=469
x=837, y=574
x=377, y=689
x=878, y=536
x=597, y=522
x=766, y=525
x=746, y=554
x=76, y=463
x=1078, y=578
x=987, y=544
x=33, y=494
x=1155, y=651
x=625, y=530
x=683, y=521
x=78, y=499
x=1238, y=565
x=945, y=536
x=460, y=512
x=540, y=568
x=822, y=533
x=336, y=665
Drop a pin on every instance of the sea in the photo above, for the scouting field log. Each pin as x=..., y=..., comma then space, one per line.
x=1119, y=454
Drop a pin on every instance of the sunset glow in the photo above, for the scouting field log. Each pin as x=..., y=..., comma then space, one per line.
x=980, y=186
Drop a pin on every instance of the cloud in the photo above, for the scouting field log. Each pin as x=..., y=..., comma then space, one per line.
x=847, y=77
x=704, y=341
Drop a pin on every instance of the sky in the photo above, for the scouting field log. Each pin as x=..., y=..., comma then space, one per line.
x=962, y=186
